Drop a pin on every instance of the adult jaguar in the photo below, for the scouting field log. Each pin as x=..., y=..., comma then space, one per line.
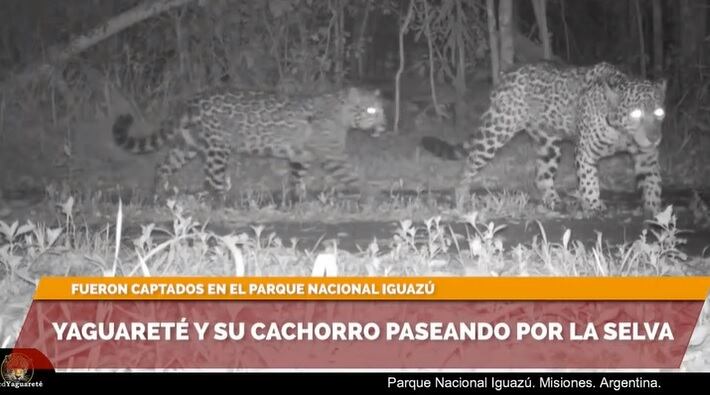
x=220, y=124
x=599, y=108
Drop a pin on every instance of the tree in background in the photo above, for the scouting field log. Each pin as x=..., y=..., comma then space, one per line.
x=150, y=48
x=691, y=37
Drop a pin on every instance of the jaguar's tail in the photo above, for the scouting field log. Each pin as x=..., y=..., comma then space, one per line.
x=139, y=145
x=442, y=149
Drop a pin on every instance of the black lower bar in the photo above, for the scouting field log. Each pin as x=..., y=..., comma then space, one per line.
x=416, y=383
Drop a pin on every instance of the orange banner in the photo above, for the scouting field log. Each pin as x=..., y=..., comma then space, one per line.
x=372, y=288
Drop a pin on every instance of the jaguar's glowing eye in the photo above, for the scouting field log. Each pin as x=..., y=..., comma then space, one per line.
x=659, y=112
x=371, y=110
x=636, y=114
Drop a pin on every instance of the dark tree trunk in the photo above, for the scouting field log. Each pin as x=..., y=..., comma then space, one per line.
x=690, y=39
x=493, y=40
x=657, y=38
x=506, y=28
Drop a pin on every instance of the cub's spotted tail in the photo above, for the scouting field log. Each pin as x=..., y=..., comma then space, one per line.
x=442, y=149
x=139, y=145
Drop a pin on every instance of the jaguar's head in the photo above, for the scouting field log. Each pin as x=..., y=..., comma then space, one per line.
x=638, y=109
x=365, y=110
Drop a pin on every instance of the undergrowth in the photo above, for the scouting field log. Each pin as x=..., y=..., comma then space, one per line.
x=188, y=246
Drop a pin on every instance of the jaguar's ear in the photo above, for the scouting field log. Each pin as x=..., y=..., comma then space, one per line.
x=612, y=96
x=353, y=93
x=662, y=85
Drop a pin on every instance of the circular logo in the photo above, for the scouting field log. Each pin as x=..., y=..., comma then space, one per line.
x=17, y=368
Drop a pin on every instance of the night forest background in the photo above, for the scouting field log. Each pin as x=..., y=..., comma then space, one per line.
x=67, y=68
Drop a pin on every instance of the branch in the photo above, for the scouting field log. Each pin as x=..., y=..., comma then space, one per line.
x=59, y=54
x=398, y=76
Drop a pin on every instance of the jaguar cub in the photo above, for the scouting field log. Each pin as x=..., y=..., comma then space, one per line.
x=599, y=108
x=219, y=125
